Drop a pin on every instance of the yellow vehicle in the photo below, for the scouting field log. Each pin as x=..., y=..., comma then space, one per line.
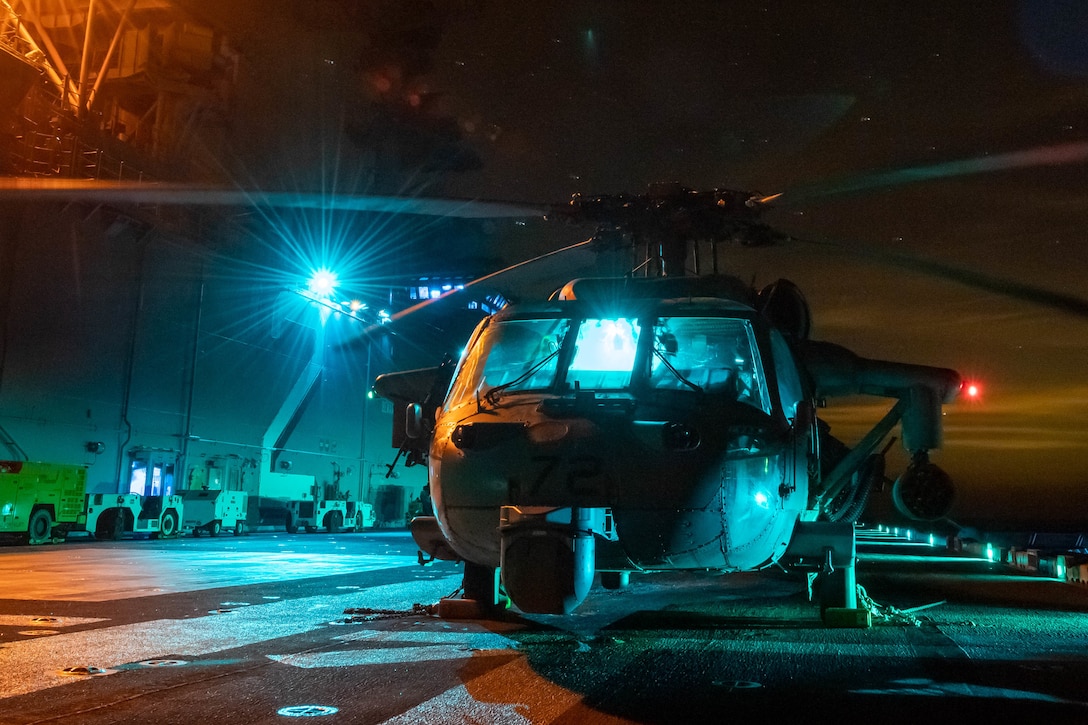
x=38, y=500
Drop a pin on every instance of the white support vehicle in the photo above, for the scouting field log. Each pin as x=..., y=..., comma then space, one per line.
x=213, y=510
x=112, y=515
x=290, y=500
x=359, y=516
x=311, y=515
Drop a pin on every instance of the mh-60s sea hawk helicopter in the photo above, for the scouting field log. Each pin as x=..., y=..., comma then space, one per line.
x=657, y=421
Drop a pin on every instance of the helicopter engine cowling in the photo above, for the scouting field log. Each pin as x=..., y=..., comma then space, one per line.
x=923, y=389
x=785, y=307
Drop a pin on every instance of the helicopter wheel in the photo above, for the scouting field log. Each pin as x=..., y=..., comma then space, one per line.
x=833, y=593
x=839, y=600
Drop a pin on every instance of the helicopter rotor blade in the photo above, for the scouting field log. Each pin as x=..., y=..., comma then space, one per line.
x=181, y=194
x=168, y=193
x=480, y=280
x=1056, y=155
x=765, y=200
x=1007, y=288
x=174, y=194
x=419, y=306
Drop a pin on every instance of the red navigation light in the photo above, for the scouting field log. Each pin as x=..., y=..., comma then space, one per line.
x=972, y=390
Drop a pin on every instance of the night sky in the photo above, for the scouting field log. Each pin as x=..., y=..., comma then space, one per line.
x=953, y=133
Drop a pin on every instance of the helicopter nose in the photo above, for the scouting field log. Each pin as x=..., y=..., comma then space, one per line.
x=479, y=436
x=549, y=431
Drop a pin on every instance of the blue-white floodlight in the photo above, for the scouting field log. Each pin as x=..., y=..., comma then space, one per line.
x=322, y=283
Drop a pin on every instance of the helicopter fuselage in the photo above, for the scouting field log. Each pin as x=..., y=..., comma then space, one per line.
x=620, y=434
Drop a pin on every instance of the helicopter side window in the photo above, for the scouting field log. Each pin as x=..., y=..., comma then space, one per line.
x=790, y=389
x=717, y=354
x=604, y=354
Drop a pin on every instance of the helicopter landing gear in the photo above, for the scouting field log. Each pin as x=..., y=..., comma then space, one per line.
x=430, y=540
x=482, y=597
x=836, y=589
x=833, y=548
x=838, y=595
x=615, y=579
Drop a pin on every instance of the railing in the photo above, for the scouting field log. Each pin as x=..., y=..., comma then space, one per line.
x=54, y=149
x=10, y=37
x=15, y=38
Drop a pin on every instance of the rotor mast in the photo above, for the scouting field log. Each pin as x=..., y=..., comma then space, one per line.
x=663, y=221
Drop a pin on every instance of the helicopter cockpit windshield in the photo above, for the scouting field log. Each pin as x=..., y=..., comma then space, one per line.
x=711, y=354
x=604, y=354
x=512, y=355
x=559, y=355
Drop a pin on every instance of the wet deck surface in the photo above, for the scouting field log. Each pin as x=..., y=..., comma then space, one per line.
x=254, y=630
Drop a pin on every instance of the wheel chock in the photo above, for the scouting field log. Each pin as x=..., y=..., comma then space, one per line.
x=452, y=608
x=840, y=618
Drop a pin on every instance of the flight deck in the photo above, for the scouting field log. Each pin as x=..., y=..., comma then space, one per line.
x=264, y=628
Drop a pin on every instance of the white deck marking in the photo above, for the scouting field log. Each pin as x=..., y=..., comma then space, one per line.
x=34, y=664
x=486, y=699
x=51, y=622
x=67, y=575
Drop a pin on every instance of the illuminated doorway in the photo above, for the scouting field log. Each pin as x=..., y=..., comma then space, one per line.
x=151, y=472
